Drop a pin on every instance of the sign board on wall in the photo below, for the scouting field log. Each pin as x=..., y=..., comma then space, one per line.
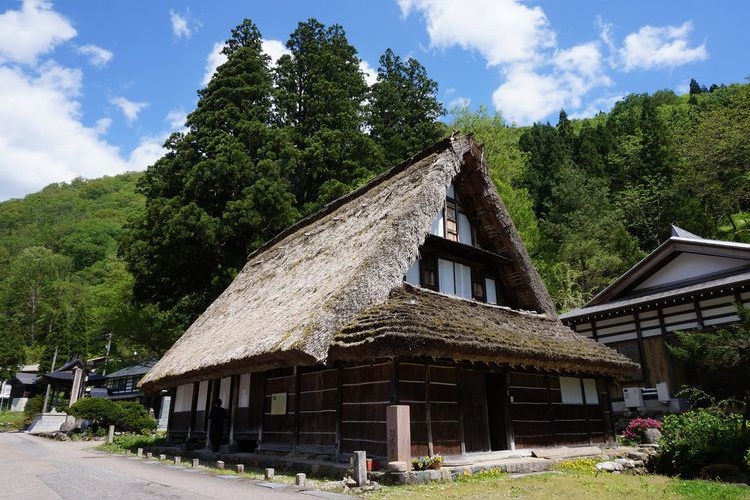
x=278, y=403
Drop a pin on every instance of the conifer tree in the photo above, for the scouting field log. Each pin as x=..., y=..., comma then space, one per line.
x=403, y=108
x=218, y=193
x=319, y=99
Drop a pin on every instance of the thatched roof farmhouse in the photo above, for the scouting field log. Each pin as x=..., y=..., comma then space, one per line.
x=417, y=275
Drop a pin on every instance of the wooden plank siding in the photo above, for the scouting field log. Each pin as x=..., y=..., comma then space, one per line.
x=540, y=418
x=365, y=394
x=279, y=430
x=412, y=391
x=341, y=409
x=318, y=410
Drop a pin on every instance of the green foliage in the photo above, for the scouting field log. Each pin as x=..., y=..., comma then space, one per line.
x=403, y=109
x=131, y=442
x=11, y=421
x=126, y=416
x=33, y=406
x=427, y=462
x=717, y=362
x=218, y=193
x=701, y=437
x=319, y=94
x=57, y=254
x=482, y=475
x=581, y=466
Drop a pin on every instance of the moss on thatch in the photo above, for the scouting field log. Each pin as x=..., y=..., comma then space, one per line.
x=417, y=322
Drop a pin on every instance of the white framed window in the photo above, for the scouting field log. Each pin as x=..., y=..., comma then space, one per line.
x=202, y=395
x=454, y=278
x=589, y=389
x=183, y=398
x=570, y=390
x=412, y=274
x=244, y=395
x=490, y=290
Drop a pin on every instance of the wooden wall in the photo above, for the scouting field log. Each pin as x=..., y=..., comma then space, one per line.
x=365, y=393
x=279, y=430
x=453, y=410
x=539, y=418
x=318, y=410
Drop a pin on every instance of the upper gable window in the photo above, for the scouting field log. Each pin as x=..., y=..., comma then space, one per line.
x=451, y=222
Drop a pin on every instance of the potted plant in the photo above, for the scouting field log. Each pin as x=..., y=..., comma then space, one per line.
x=427, y=462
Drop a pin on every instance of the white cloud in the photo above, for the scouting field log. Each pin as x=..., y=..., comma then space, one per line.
x=42, y=139
x=214, y=59
x=458, y=103
x=371, y=74
x=102, y=125
x=32, y=31
x=527, y=96
x=505, y=31
x=176, y=119
x=98, y=56
x=274, y=49
x=660, y=47
x=130, y=109
x=180, y=26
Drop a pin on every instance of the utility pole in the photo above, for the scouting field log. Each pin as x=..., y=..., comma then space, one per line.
x=107, y=347
x=46, y=396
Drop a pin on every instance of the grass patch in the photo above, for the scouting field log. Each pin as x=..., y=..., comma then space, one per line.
x=11, y=421
x=131, y=442
x=567, y=484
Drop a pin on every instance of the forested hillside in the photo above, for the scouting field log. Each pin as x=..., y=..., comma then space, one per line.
x=139, y=256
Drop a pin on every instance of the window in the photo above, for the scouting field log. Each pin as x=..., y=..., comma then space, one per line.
x=491, y=287
x=452, y=222
x=429, y=274
x=454, y=278
x=570, y=389
x=184, y=398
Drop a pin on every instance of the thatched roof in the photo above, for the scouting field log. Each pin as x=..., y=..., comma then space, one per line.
x=418, y=322
x=299, y=289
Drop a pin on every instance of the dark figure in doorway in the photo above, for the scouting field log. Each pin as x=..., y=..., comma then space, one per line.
x=217, y=416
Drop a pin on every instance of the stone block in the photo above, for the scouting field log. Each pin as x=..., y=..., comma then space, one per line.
x=300, y=479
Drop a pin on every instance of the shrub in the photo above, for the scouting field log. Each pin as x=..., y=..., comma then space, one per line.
x=33, y=406
x=133, y=417
x=701, y=437
x=125, y=416
x=634, y=432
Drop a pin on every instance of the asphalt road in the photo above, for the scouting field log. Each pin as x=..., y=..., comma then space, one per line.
x=33, y=467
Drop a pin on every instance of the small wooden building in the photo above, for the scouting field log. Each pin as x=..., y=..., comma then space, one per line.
x=687, y=283
x=414, y=289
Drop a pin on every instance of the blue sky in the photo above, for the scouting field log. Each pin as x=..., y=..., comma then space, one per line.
x=91, y=88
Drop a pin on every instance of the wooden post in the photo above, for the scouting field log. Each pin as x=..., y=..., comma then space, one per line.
x=398, y=425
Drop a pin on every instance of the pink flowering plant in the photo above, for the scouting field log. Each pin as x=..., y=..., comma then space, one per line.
x=635, y=430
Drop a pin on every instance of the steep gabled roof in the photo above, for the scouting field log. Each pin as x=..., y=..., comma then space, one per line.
x=299, y=289
x=714, y=264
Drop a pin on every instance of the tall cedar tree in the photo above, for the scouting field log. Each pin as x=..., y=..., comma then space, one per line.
x=320, y=96
x=403, y=108
x=218, y=193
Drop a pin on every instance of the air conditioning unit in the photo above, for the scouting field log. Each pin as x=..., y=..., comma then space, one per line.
x=662, y=391
x=633, y=397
